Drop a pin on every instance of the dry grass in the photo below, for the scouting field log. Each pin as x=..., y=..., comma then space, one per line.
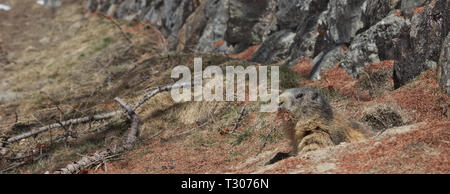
x=83, y=68
x=303, y=67
x=382, y=116
x=247, y=54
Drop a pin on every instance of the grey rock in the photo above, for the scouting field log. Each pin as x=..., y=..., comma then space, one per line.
x=91, y=5
x=137, y=8
x=103, y=5
x=250, y=22
x=275, y=48
x=326, y=60
x=168, y=16
x=345, y=19
x=420, y=44
x=310, y=37
x=376, y=10
x=294, y=13
x=408, y=5
x=374, y=45
x=176, y=13
x=443, y=70
x=155, y=15
x=217, y=16
x=192, y=29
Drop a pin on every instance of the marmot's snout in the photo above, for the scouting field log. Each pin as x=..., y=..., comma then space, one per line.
x=304, y=102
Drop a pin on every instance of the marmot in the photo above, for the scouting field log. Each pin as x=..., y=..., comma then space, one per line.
x=310, y=124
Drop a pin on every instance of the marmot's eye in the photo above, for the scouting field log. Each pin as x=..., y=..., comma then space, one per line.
x=299, y=95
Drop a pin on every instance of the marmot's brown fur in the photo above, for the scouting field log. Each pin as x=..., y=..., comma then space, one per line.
x=311, y=123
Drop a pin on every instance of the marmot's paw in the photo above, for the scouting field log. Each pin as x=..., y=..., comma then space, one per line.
x=314, y=141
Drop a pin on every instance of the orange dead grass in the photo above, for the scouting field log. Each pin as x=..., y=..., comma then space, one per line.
x=383, y=65
x=247, y=54
x=422, y=97
x=337, y=79
x=303, y=67
x=419, y=10
x=425, y=150
x=219, y=43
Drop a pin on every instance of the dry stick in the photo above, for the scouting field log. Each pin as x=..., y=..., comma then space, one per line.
x=265, y=140
x=134, y=121
x=157, y=91
x=64, y=123
x=156, y=135
x=238, y=119
x=17, y=116
x=37, y=153
x=58, y=139
x=95, y=117
x=186, y=132
x=86, y=162
x=105, y=155
x=19, y=164
x=102, y=156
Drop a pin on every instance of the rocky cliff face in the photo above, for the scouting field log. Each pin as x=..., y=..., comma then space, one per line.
x=420, y=43
x=352, y=33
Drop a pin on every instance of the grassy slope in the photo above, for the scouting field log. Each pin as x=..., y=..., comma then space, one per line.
x=87, y=62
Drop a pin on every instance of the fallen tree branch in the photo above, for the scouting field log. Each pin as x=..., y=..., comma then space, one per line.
x=95, y=117
x=62, y=124
x=89, y=161
x=157, y=91
x=103, y=156
x=131, y=138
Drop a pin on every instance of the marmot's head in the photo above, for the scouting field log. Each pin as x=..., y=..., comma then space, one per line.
x=304, y=103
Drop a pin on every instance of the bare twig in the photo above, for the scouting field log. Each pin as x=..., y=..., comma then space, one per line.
x=19, y=164
x=17, y=117
x=157, y=91
x=236, y=124
x=156, y=135
x=265, y=139
x=186, y=132
x=64, y=123
x=95, y=117
x=103, y=156
x=134, y=121
x=89, y=161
